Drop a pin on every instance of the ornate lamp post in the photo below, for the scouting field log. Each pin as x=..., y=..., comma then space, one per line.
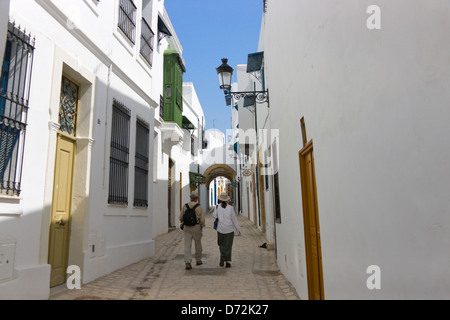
x=225, y=73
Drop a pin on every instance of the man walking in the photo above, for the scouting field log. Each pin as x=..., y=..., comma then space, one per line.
x=192, y=218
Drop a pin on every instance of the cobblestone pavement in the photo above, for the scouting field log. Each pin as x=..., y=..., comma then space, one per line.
x=254, y=274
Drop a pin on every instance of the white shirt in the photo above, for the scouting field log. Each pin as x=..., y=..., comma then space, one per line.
x=227, y=219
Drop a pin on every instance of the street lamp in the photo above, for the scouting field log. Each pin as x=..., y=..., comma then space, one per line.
x=225, y=73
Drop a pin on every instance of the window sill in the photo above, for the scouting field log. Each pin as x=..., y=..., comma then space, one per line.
x=9, y=206
x=10, y=199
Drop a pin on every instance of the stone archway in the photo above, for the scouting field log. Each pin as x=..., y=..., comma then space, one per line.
x=219, y=170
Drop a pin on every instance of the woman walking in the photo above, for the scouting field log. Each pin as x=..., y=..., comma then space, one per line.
x=227, y=222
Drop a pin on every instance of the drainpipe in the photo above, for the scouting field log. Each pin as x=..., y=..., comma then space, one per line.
x=108, y=86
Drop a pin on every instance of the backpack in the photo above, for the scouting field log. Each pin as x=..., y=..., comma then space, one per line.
x=189, y=217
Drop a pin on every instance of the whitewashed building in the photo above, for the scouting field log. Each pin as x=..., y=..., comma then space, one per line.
x=255, y=137
x=76, y=152
x=217, y=164
x=360, y=97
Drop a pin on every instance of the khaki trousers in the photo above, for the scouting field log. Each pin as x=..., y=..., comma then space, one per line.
x=192, y=233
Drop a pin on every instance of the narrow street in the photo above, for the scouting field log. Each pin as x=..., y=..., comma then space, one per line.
x=253, y=276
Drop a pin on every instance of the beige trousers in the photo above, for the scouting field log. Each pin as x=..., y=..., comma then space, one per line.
x=192, y=233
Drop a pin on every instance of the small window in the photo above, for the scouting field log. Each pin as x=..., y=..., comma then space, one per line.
x=68, y=108
x=141, y=164
x=127, y=19
x=119, y=157
x=147, y=36
x=14, y=94
x=161, y=106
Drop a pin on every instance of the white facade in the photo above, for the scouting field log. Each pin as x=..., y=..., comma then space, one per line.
x=218, y=160
x=215, y=138
x=82, y=41
x=255, y=148
x=375, y=105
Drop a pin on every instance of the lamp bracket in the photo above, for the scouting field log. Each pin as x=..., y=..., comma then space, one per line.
x=260, y=96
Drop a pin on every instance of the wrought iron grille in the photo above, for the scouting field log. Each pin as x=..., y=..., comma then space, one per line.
x=127, y=19
x=141, y=165
x=119, y=158
x=14, y=94
x=68, y=108
x=161, y=107
x=147, y=37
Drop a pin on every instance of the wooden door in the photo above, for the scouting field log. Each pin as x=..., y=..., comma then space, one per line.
x=248, y=201
x=262, y=201
x=254, y=195
x=169, y=192
x=311, y=223
x=61, y=209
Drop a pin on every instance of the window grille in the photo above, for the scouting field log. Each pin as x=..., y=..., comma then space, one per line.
x=161, y=107
x=119, y=158
x=14, y=94
x=127, y=19
x=141, y=164
x=68, y=109
x=147, y=36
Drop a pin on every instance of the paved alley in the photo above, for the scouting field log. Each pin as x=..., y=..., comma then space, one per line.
x=253, y=276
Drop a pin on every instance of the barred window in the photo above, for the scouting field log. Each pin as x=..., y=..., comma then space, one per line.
x=141, y=165
x=161, y=106
x=68, y=109
x=119, y=158
x=147, y=36
x=127, y=19
x=14, y=94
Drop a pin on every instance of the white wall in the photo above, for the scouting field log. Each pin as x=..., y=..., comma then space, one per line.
x=375, y=106
x=83, y=42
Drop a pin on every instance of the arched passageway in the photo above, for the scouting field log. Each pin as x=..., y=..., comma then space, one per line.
x=221, y=170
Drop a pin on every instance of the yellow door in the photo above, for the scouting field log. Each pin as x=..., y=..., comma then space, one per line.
x=262, y=202
x=254, y=195
x=61, y=210
x=311, y=224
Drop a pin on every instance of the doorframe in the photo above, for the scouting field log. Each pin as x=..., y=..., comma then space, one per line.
x=313, y=295
x=66, y=64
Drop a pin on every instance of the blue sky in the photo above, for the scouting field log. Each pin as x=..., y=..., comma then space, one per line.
x=209, y=30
